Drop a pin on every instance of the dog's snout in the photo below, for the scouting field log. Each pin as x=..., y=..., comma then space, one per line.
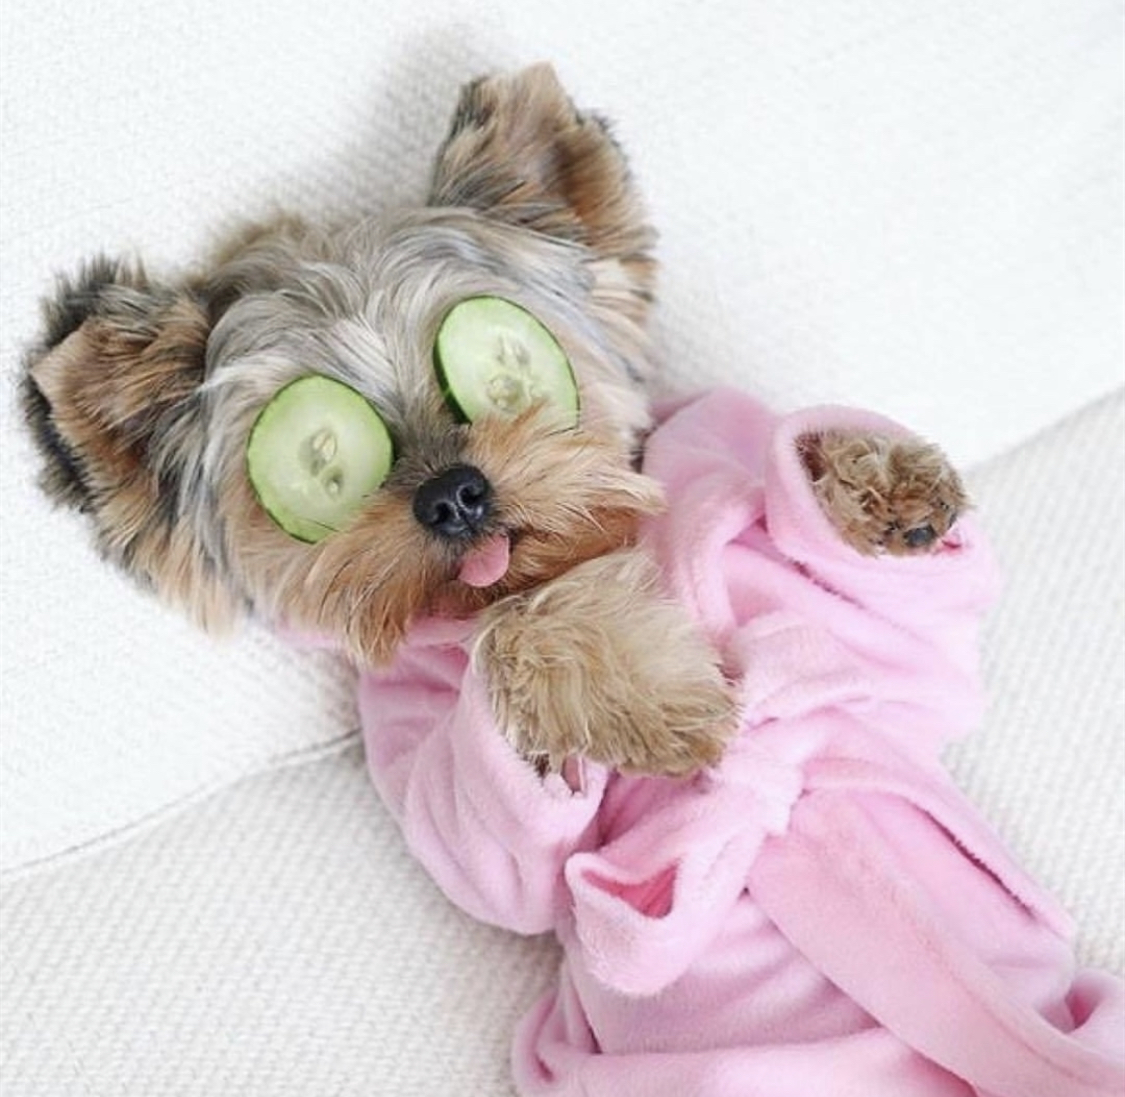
x=455, y=503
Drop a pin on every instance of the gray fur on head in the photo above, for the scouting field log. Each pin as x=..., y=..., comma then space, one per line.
x=143, y=394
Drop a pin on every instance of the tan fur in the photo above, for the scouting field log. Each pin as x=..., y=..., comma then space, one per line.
x=112, y=384
x=519, y=148
x=565, y=496
x=898, y=496
x=599, y=663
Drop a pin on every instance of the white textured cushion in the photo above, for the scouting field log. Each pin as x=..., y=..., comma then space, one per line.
x=914, y=209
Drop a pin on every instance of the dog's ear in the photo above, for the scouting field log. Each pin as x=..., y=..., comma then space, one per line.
x=519, y=151
x=112, y=395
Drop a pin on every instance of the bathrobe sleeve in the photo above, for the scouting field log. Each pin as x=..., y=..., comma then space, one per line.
x=955, y=582
x=747, y=548
x=732, y=471
x=492, y=833
x=911, y=623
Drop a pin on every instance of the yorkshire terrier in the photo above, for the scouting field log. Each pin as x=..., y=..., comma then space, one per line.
x=144, y=393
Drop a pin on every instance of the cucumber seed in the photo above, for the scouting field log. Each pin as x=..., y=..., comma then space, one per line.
x=320, y=449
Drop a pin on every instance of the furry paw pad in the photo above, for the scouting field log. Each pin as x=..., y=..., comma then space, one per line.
x=883, y=495
x=597, y=663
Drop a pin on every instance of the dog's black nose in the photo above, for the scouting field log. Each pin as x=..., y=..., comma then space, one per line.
x=455, y=503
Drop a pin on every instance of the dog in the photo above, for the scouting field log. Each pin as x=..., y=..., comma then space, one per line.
x=666, y=679
x=143, y=392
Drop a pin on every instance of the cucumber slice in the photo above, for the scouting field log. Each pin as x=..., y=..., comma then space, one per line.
x=494, y=358
x=316, y=450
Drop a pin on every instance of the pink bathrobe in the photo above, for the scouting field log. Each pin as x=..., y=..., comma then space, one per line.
x=823, y=914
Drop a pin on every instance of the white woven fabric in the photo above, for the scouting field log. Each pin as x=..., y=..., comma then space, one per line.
x=277, y=940
x=1049, y=764
x=913, y=209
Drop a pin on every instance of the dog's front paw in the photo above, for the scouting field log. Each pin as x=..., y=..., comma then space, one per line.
x=894, y=495
x=598, y=664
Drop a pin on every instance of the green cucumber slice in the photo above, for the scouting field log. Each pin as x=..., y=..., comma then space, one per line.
x=316, y=450
x=494, y=358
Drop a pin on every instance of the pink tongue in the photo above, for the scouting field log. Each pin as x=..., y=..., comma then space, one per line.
x=487, y=563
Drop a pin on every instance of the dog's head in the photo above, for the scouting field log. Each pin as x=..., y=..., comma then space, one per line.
x=144, y=395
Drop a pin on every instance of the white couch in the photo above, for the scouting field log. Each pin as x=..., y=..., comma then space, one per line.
x=915, y=208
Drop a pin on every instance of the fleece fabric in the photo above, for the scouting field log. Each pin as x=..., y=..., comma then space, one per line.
x=823, y=912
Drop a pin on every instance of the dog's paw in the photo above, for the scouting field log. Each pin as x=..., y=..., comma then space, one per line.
x=598, y=664
x=898, y=496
